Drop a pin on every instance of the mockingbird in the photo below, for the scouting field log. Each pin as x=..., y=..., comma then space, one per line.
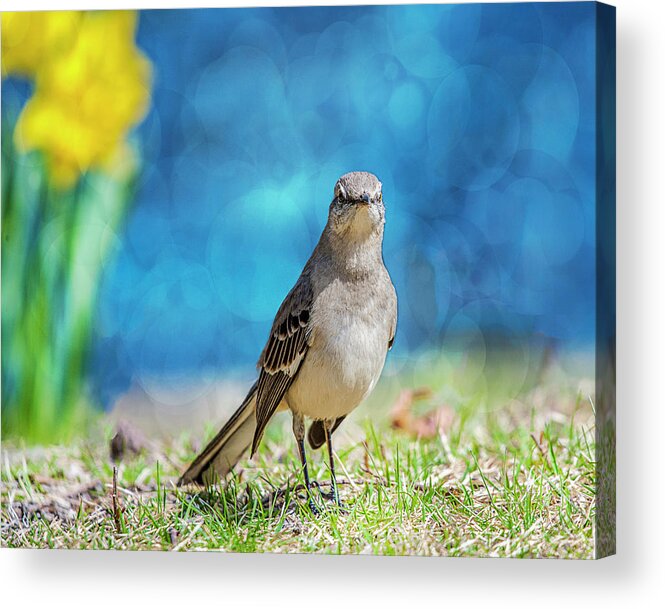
x=328, y=342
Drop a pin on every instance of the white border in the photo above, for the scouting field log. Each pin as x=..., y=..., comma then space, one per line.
x=633, y=578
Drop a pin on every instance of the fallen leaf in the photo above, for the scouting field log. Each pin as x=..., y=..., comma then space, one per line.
x=127, y=441
x=428, y=425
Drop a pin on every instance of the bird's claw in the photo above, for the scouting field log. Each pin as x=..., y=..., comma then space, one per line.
x=331, y=496
x=313, y=507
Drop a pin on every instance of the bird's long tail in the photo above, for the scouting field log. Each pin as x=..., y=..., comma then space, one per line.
x=225, y=449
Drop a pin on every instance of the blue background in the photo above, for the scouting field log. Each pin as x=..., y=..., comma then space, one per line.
x=478, y=119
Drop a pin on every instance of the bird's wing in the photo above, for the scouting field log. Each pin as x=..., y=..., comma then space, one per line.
x=391, y=340
x=393, y=317
x=283, y=354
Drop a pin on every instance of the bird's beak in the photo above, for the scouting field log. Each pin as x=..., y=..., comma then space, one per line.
x=365, y=198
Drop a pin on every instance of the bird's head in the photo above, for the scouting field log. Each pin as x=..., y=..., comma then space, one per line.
x=357, y=208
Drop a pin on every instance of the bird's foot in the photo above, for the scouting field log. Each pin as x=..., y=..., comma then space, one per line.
x=333, y=497
x=329, y=496
x=316, y=511
x=309, y=497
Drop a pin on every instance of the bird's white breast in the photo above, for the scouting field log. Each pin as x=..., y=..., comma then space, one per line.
x=345, y=358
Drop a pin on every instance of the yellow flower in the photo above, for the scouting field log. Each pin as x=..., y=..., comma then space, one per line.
x=87, y=97
x=30, y=38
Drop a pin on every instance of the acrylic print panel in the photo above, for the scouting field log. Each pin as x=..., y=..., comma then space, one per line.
x=166, y=175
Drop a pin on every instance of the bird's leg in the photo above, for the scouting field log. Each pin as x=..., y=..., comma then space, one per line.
x=299, y=433
x=334, y=492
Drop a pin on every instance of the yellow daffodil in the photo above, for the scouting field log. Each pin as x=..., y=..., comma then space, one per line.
x=88, y=95
x=29, y=39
